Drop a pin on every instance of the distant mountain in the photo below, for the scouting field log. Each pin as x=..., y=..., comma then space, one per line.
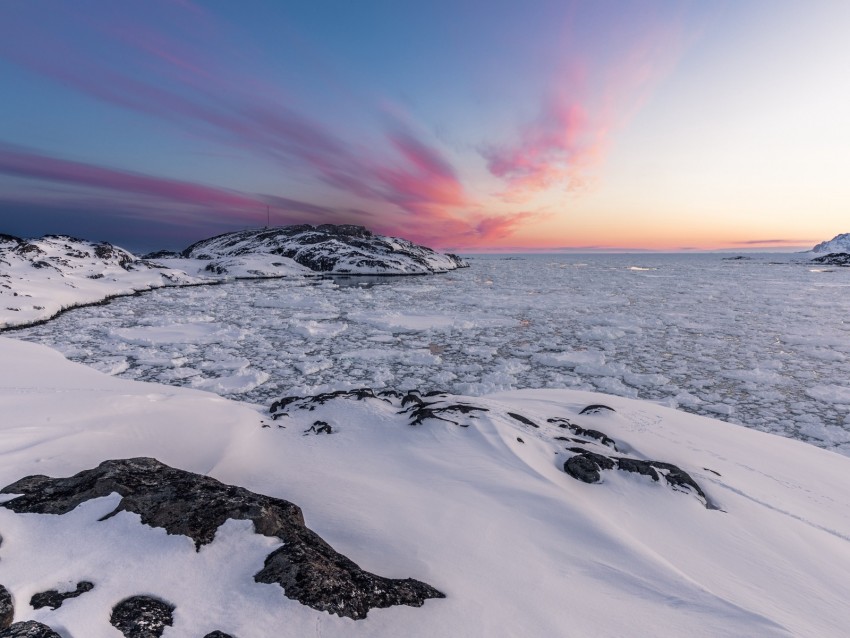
x=838, y=244
x=341, y=249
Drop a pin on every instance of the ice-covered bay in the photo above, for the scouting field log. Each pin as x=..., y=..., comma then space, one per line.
x=764, y=342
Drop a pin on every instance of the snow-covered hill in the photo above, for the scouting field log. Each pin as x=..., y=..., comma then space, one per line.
x=838, y=244
x=342, y=249
x=689, y=526
x=41, y=277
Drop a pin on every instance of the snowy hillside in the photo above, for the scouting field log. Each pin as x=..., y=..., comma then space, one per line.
x=328, y=248
x=533, y=512
x=41, y=277
x=838, y=244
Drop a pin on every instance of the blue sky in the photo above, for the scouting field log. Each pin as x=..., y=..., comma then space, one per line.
x=464, y=125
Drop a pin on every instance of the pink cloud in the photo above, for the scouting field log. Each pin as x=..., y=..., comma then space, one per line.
x=31, y=165
x=553, y=149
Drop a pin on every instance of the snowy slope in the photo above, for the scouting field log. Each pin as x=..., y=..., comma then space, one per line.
x=41, y=277
x=518, y=546
x=838, y=244
x=339, y=249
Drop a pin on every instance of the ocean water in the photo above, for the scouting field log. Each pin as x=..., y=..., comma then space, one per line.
x=762, y=341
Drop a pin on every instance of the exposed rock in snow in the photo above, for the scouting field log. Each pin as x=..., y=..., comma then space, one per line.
x=833, y=259
x=329, y=248
x=53, y=598
x=584, y=465
x=142, y=617
x=518, y=546
x=29, y=629
x=41, y=277
x=838, y=244
x=7, y=608
x=309, y=570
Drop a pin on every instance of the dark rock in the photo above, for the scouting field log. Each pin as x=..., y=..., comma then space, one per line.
x=523, y=419
x=637, y=466
x=218, y=634
x=7, y=607
x=585, y=466
x=277, y=408
x=677, y=478
x=108, y=252
x=520, y=440
x=833, y=259
x=215, y=268
x=586, y=432
x=319, y=427
x=142, y=617
x=596, y=408
x=28, y=629
x=10, y=239
x=162, y=254
x=54, y=599
x=336, y=584
x=181, y=502
x=421, y=411
x=411, y=397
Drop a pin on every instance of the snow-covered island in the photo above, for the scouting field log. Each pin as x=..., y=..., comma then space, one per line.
x=835, y=252
x=150, y=510
x=838, y=244
x=41, y=277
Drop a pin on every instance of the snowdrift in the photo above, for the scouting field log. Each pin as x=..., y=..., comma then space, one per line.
x=470, y=495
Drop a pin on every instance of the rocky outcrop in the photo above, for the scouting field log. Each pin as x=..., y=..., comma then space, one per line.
x=308, y=568
x=142, y=617
x=341, y=249
x=7, y=607
x=833, y=259
x=28, y=629
x=53, y=598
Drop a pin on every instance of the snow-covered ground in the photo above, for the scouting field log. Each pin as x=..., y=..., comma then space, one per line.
x=481, y=510
x=762, y=341
x=41, y=277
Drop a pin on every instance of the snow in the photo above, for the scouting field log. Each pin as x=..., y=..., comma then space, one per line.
x=40, y=278
x=761, y=342
x=838, y=244
x=518, y=546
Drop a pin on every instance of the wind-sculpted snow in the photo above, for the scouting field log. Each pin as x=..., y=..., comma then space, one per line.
x=330, y=249
x=470, y=494
x=584, y=460
x=751, y=341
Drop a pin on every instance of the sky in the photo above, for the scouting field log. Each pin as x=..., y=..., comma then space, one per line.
x=470, y=125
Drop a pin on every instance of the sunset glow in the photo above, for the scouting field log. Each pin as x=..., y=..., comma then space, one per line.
x=470, y=126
